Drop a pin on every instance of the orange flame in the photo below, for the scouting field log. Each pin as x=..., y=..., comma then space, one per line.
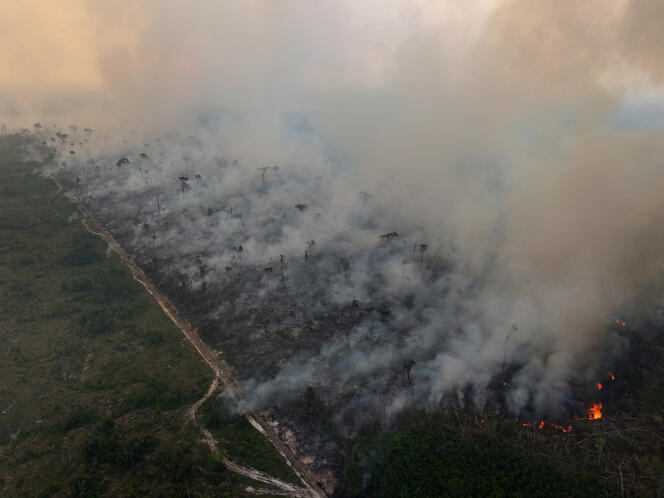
x=543, y=424
x=595, y=411
x=599, y=385
x=613, y=377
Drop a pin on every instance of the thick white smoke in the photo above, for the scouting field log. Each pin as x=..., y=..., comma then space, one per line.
x=509, y=137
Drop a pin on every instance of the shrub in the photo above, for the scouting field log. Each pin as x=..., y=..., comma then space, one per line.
x=82, y=251
x=78, y=417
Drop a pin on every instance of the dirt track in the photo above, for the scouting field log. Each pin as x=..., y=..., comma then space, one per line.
x=285, y=488
x=221, y=369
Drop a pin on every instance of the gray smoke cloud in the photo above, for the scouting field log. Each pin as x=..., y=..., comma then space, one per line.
x=514, y=139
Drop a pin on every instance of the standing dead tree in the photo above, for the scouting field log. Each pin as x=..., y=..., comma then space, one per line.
x=309, y=251
x=364, y=197
x=62, y=137
x=407, y=367
x=515, y=328
x=422, y=248
x=263, y=169
x=282, y=264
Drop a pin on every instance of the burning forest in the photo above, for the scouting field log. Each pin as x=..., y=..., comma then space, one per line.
x=436, y=213
x=329, y=296
x=310, y=285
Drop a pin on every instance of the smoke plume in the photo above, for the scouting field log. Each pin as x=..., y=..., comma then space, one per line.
x=483, y=183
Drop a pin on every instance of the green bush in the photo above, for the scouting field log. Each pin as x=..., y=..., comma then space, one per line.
x=82, y=251
x=105, y=447
x=97, y=322
x=153, y=337
x=47, y=491
x=20, y=291
x=157, y=394
x=215, y=416
x=176, y=462
x=78, y=417
x=85, y=486
x=78, y=285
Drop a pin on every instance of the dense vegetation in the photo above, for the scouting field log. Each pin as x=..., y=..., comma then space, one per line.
x=95, y=378
x=443, y=455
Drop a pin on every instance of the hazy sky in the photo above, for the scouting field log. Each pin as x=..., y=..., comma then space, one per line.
x=148, y=49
